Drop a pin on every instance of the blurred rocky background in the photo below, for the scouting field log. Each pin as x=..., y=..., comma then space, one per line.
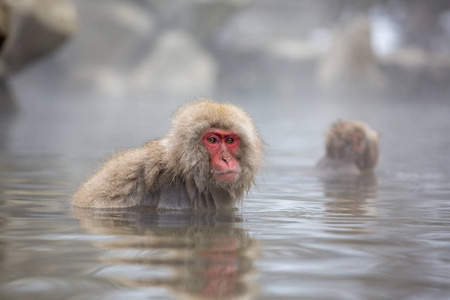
x=30, y=29
x=187, y=49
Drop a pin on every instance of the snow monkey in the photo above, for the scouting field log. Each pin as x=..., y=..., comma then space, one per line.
x=208, y=160
x=351, y=148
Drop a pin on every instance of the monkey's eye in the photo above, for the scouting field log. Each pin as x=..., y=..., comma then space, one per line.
x=229, y=140
x=212, y=140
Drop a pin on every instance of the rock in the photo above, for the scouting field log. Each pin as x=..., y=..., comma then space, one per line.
x=32, y=28
x=350, y=62
x=178, y=65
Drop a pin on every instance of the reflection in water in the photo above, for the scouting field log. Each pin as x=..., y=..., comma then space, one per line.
x=193, y=253
x=352, y=197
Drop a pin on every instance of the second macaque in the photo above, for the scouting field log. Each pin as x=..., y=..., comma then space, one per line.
x=351, y=149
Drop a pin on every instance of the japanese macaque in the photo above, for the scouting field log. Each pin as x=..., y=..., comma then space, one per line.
x=351, y=148
x=208, y=160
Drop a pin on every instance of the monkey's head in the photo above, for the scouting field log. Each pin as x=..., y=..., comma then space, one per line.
x=215, y=143
x=353, y=141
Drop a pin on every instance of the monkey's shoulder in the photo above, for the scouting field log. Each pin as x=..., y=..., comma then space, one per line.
x=152, y=153
x=155, y=169
x=122, y=179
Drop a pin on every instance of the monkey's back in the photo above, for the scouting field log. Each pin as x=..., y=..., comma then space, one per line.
x=122, y=180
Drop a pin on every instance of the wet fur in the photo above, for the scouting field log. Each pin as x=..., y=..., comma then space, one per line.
x=174, y=172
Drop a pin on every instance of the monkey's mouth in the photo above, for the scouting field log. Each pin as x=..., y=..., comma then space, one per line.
x=228, y=175
x=225, y=172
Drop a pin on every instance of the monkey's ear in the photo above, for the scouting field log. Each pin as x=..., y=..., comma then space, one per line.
x=358, y=141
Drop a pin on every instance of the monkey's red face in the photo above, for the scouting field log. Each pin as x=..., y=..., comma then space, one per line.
x=222, y=146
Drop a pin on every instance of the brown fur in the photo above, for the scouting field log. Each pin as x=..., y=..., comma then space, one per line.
x=351, y=147
x=174, y=172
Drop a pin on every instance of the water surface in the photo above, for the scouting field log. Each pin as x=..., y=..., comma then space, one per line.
x=381, y=236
